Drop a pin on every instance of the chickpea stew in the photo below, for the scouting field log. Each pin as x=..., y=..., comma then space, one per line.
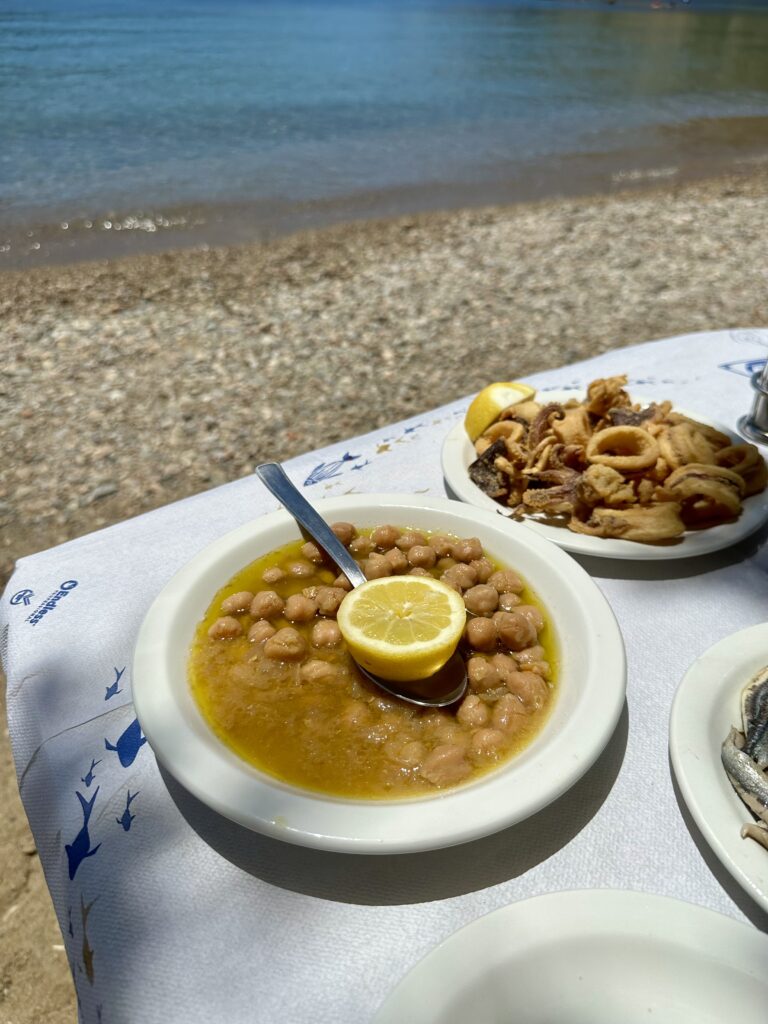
x=271, y=675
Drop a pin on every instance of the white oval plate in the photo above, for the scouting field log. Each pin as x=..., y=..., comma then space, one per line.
x=706, y=705
x=458, y=453
x=589, y=957
x=586, y=709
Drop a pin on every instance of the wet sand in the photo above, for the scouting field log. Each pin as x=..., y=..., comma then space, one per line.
x=132, y=383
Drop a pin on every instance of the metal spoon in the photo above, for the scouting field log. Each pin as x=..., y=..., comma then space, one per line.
x=449, y=683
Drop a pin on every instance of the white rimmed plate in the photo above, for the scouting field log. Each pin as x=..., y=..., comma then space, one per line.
x=589, y=957
x=706, y=705
x=587, y=706
x=458, y=453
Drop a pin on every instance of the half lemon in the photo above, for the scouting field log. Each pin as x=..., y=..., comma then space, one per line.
x=486, y=407
x=402, y=627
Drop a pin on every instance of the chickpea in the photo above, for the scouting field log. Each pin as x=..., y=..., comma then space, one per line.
x=317, y=671
x=481, y=599
x=446, y=562
x=267, y=604
x=397, y=560
x=300, y=568
x=325, y=634
x=418, y=571
x=287, y=644
x=483, y=674
x=506, y=581
x=273, y=575
x=508, y=713
x=481, y=634
x=408, y=538
x=261, y=630
x=342, y=582
x=483, y=568
x=486, y=741
x=529, y=687
x=355, y=713
x=362, y=546
x=467, y=550
x=473, y=712
x=225, y=628
x=460, y=576
x=299, y=608
x=504, y=666
x=533, y=614
x=409, y=754
x=313, y=553
x=507, y=602
x=533, y=659
x=515, y=631
x=328, y=599
x=445, y=764
x=385, y=536
x=346, y=532
x=443, y=545
x=236, y=604
x=451, y=732
x=376, y=567
x=422, y=556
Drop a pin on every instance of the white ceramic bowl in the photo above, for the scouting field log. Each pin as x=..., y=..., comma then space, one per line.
x=587, y=705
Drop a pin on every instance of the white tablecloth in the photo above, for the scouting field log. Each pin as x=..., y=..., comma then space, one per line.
x=170, y=913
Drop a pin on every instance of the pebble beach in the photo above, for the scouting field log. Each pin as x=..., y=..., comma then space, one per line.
x=130, y=384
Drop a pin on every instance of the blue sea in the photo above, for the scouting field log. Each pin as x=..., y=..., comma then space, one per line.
x=162, y=114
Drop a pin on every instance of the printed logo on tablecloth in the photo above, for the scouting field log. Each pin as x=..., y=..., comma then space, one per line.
x=50, y=603
x=22, y=597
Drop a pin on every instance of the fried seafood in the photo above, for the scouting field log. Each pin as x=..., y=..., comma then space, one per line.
x=606, y=467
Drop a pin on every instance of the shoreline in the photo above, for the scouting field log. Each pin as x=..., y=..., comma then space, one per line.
x=665, y=155
x=169, y=373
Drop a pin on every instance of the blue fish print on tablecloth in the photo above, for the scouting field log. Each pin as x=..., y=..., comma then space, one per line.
x=70, y=929
x=128, y=744
x=126, y=818
x=112, y=689
x=88, y=778
x=362, y=465
x=744, y=367
x=326, y=470
x=80, y=847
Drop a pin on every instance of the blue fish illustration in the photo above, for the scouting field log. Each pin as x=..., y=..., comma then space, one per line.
x=127, y=817
x=411, y=430
x=88, y=777
x=87, y=948
x=69, y=918
x=113, y=689
x=326, y=470
x=362, y=465
x=744, y=367
x=80, y=848
x=129, y=744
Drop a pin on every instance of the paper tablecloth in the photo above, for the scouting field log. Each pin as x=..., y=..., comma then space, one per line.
x=170, y=913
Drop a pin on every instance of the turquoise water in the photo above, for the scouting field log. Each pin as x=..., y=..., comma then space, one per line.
x=133, y=104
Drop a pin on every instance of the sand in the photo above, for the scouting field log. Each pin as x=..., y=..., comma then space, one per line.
x=134, y=383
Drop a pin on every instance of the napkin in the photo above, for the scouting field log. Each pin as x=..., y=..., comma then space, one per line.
x=170, y=913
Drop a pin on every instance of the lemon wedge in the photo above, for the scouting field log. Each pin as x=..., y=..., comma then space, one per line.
x=486, y=406
x=402, y=627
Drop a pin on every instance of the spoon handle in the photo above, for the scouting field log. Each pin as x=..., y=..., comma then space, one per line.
x=274, y=478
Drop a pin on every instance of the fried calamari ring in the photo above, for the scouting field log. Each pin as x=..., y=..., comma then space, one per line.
x=715, y=437
x=682, y=444
x=747, y=461
x=706, y=492
x=625, y=449
x=648, y=524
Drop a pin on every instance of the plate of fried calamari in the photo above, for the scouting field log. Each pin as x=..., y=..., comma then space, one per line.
x=600, y=473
